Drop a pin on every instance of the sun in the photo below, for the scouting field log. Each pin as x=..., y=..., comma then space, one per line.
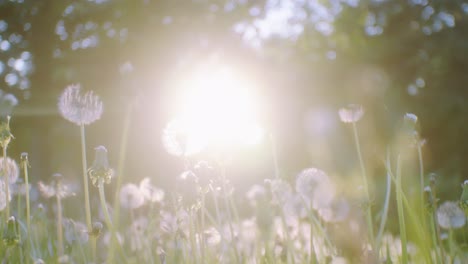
x=215, y=106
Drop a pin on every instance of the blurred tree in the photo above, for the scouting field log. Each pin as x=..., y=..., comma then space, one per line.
x=391, y=56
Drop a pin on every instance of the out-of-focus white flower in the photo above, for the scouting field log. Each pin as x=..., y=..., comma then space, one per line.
x=12, y=169
x=150, y=192
x=280, y=190
x=178, y=141
x=316, y=188
x=351, y=113
x=212, y=237
x=56, y=188
x=131, y=196
x=75, y=232
x=449, y=215
x=3, y=199
x=336, y=211
x=77, y=108
x=393, y=246
x=255, y=194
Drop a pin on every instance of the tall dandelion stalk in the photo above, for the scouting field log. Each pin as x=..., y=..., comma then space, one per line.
x=25, y=166
x=81, y=109
x=401, y=215
x=352, y=114
x=120, y=169
x=58, y=190
x=100, y=173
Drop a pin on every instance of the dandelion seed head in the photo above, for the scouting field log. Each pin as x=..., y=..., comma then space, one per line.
x=12, y=169
x=281, y=191
x=336, y=211
x=75, y=232
x=315, y=187
x=19, y=188
x=3, y=199
x=131, y=196
x=255, y=194
x=178, y=141
x=150, y=192
x=55, y=188
x=80, y=109
x=351, y=113
x=450, y=215
x=212, y=237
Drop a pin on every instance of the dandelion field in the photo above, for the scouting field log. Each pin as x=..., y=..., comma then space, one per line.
x=311, y=217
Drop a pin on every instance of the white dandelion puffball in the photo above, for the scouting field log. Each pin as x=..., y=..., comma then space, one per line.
x=12, y=169
x=315, y=187
x=351, y=113
x=450, y=215
x=131, y=196
x=81, y=109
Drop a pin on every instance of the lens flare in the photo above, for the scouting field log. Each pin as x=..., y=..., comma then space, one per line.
x=216, y=107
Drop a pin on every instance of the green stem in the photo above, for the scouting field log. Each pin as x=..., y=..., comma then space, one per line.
x=401, y=216
x=86, y=190
x=202, y=231
x=386, y=205
x=85, y=177
x=421, y=174
x=228, y=211
x=28, y=206
x=122, y=155
x=366, y=187
x=7, y=184
x=107, y=219
x=313, y=256
x=434, y=240
x=59, y=225
x=102, y=198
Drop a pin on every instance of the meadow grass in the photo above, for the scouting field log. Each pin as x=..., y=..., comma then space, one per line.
x=305, y=220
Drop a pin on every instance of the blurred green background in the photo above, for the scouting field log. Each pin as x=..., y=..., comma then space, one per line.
x=308, y=58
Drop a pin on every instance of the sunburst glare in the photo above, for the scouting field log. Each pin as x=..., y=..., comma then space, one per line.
x=215, y=106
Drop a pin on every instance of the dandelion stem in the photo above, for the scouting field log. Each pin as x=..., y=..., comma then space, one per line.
x=85, y=177
x=366, y=187
x=401, y=216
x=102, y=198
x=28, y=206
x=122, y=154
x=228, y=211
x=434, y=240
x=7, y=184
x=59, y=225
x=202, y=234
x=86, y=189
x=421, y=183
x=386, y=204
